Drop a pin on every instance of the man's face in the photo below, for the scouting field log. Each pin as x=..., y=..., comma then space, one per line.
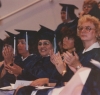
x=21, y=46
x=63, y=16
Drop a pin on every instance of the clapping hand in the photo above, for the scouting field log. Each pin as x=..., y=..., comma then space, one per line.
x=56, y=59
x=8, y=54
x=15, y=69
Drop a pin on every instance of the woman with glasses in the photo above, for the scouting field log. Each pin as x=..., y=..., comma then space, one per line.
x=87, y=6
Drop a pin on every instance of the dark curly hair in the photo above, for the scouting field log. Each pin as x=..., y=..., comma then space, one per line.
x=9, y=41
x=67, y=32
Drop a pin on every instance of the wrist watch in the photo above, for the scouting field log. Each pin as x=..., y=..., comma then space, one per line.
x=78, y=67
x=63, y=72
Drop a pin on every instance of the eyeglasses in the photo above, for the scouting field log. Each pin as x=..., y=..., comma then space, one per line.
x=86, y=28
x=44, y=43
x=87, y=6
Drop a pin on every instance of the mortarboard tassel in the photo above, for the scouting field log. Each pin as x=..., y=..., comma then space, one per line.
x=66, y=12
x=14, y=46
x=26, y=41
x=55, y=46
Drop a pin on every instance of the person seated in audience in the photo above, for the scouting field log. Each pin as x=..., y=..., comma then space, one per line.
x=43, y=71
x=70, y=42
x=87, y=6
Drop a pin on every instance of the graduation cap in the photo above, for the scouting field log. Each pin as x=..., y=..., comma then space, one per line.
x=69, y=8
x=47, y=34
x=12, y=41
x=27, y=35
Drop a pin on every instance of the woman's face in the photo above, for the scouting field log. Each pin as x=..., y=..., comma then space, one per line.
x=68, y=43
x=21, y=46
x=87, y=31
x=44, y=47
x=87, y=8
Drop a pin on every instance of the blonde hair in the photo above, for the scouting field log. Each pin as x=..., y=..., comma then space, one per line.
x=92, y=19
x=89, y=2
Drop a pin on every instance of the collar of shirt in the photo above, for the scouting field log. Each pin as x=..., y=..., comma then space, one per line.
x=95, y=45
x=69, y=21
x=26, y=57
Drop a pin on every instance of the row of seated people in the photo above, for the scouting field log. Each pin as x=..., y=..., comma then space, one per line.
x=28, y=64
x=48, y=68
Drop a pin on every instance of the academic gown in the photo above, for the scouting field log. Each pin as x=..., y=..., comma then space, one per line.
x=42, y=69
